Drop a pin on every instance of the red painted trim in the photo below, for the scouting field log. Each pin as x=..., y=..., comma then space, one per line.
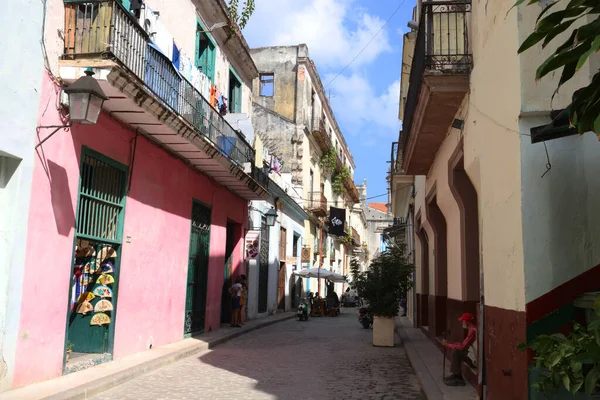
x=563, y=295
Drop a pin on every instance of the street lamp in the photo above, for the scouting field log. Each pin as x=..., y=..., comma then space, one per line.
x=271, y=217
x=85, y=103
x=85, y=99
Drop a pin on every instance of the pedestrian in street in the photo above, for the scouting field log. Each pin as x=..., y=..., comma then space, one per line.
x=460, y=351
x=403, y=305
x=236, y=294
x=243, y=298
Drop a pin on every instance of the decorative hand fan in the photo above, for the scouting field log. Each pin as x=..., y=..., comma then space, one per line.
x=91, y=267
x=103, y=305
x=85, y=296
x=84, y=308
x=102, y=291
x=106, y=279
x=87, y=251
x=107, y=252
x=107, y=267
x=100, y=319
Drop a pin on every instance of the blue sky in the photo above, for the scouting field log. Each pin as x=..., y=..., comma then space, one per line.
x=365, y=97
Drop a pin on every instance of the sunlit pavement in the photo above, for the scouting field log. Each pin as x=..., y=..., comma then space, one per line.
x=323, y=358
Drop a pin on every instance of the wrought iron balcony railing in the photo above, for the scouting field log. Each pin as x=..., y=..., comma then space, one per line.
x=396, y=159
x=104, y=29
x=317, y=203
x=442, y=47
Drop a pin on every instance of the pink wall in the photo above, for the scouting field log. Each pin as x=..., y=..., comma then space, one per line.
x=152, y=281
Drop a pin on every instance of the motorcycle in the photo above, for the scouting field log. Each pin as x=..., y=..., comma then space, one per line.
x=302, y=312
x=365, y=318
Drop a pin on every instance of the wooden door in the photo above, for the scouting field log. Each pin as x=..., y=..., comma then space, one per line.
x=195, y=303
x=282, y=269
x=227, y=274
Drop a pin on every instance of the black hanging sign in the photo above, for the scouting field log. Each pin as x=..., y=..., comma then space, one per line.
x=337, y=219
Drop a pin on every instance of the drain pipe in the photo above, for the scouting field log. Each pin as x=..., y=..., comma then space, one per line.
x=481, y=389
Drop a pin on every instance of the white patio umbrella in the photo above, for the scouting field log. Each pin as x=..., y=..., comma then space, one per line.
x=319, y=273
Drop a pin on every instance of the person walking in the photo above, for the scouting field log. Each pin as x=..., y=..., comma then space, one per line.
x=236, y=294
x=460, y=351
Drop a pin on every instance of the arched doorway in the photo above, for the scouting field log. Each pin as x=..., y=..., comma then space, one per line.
x=437, y=301
x=423, y=296
x=466, y=197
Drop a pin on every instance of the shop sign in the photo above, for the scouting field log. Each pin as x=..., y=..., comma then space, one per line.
x=252, y=245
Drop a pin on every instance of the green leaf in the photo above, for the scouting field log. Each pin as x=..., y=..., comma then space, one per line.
x=554, y=359
x=576, y=386
x=545, y=10
x=567, y=382
x=591, y=380
x=589, y=31
x=556, y=18
x=522, y=347
x=562, y=59
x=532, y=40
x=557, y=31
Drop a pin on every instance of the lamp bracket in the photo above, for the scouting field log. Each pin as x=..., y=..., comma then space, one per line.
x=56, y=129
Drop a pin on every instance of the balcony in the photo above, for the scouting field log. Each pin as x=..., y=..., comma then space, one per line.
x=317, y=204
x=355, y=237
x=401, y=184
x=147, y=93
x=322, y=137
x=439, y=80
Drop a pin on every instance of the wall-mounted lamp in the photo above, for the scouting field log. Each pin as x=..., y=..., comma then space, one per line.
x=214, y=26
x=85, y=99
x=85, y=103
x=271, y=217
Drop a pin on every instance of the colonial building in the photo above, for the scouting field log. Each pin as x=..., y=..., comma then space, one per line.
x=293, y=118
x=505, y=218
x=139, y=203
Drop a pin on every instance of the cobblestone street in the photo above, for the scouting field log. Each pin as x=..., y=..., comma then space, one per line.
x=324, y=358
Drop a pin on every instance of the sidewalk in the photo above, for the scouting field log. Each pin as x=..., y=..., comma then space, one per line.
x=426, y=361
x=83, y=384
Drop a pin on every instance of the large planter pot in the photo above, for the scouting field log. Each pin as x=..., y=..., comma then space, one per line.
x=383, y=332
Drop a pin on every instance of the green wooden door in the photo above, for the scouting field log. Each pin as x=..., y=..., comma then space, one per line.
x=197, y=280
x=98, y=236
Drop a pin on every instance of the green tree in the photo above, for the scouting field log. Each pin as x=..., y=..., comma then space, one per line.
x=385, y=282
x=241, y=19
x=572, y=55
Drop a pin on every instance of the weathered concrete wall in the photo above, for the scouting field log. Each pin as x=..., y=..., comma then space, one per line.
x=278, y=135
x=21, y=76
x=281, y=61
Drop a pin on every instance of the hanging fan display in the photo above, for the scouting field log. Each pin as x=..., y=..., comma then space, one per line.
x=100, y=319
x=103, y=305
x=107, y=252
x=85, y=296
x=91, y=267
x=106, y=279
x=102, y=291
x=107, y=267
x=84, y=308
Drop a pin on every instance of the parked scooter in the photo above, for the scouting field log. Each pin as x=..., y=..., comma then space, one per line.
x=365, y=318
x=302, y=312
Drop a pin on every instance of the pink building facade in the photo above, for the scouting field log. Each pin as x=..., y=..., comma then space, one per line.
x=135, y=229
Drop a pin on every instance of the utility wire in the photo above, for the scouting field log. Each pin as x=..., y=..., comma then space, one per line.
x=367, y=45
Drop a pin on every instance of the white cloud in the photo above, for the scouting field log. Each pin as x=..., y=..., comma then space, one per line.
x=363, y=111
x=334, y=30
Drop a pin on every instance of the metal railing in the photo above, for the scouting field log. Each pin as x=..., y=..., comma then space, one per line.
x=396, y=159
x=442, y=45
x=260, y=176
x=399, y=221
x=105, y=29
x=317, y=201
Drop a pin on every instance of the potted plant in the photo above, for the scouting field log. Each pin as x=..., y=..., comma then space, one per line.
x=569, y=362
x=69, y=350
x=383, y=286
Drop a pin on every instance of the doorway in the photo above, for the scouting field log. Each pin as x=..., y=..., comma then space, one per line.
x=227, y=274
x=437, y=302
x=423, y=298
x=197, y=279
x=282, y=270
x=95, y=270
x=263, y=267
